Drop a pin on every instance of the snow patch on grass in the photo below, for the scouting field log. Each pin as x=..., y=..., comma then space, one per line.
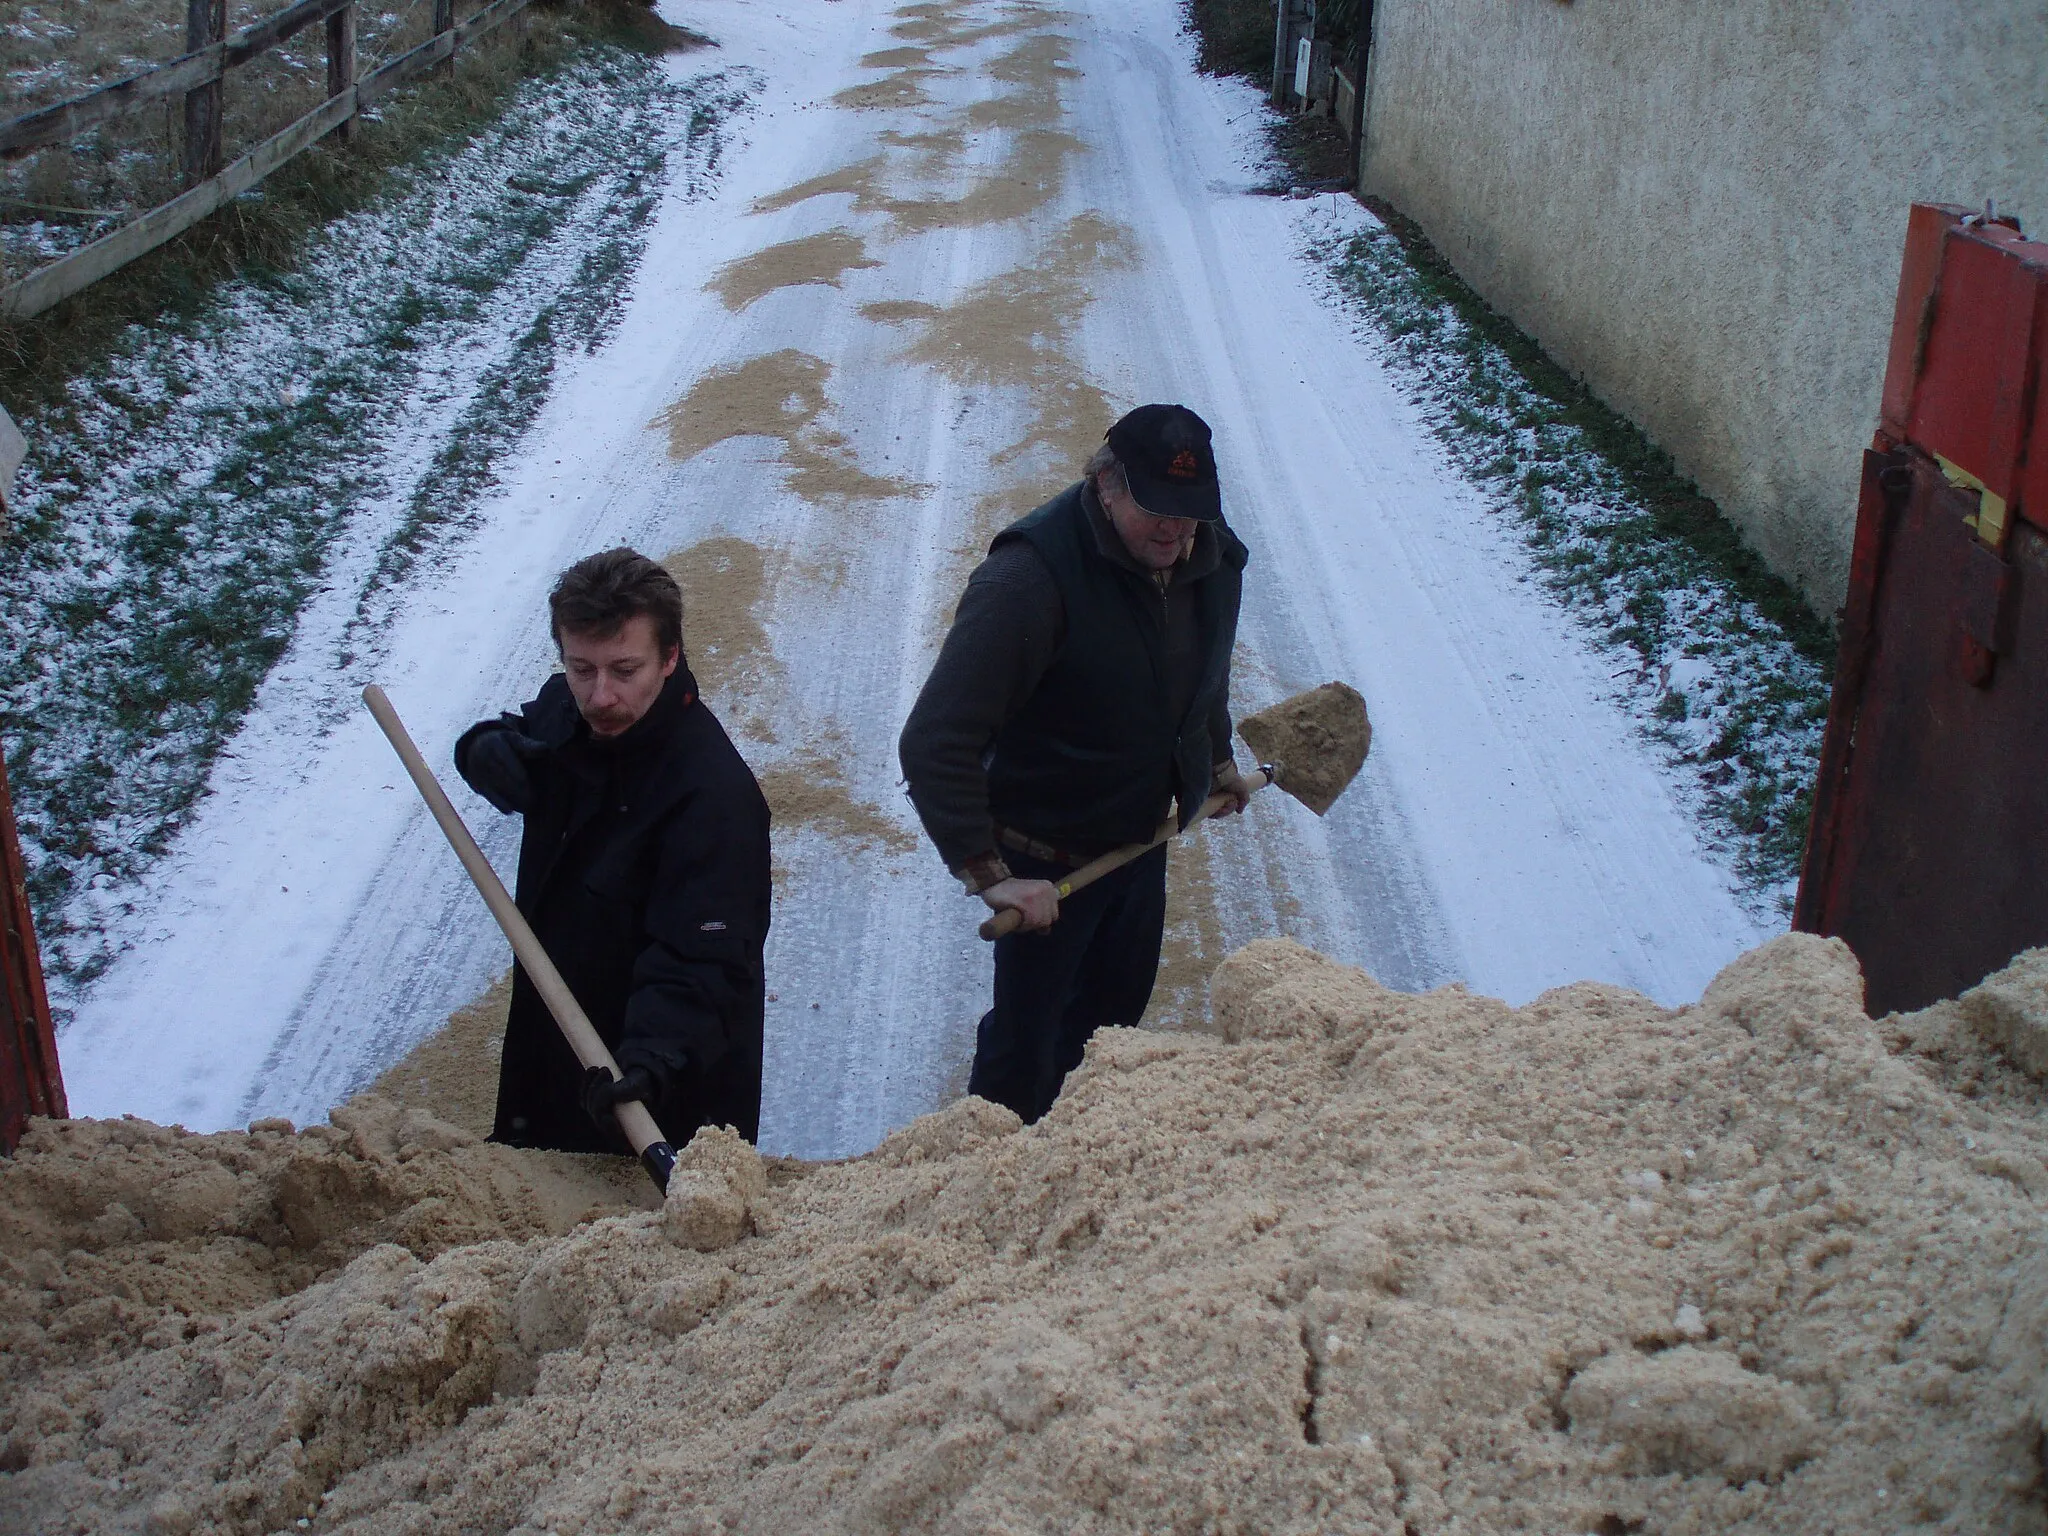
x=1722, y=662
x=333, y=426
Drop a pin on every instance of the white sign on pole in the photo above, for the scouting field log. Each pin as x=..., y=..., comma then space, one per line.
x=1302, y=54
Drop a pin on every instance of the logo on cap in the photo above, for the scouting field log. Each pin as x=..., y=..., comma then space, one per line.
x=1185, y=466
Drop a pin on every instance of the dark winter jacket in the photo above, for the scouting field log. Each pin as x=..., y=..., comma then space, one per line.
x=644, y=872
x=1076, y=698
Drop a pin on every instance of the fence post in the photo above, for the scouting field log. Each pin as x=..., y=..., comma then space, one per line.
x=1283, y=51
x=444, y=21
x=206, y=23
x=341, y=60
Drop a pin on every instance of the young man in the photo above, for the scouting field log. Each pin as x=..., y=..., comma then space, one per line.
x=643, y=870
x=1083, y=690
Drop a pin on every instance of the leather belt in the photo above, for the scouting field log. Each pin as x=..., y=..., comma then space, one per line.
x=1045, y=853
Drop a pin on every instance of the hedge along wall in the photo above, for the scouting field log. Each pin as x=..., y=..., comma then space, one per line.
x=1700, y=207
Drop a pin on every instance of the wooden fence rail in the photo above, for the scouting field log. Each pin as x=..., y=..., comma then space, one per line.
x=66, y=120
x=197, y=75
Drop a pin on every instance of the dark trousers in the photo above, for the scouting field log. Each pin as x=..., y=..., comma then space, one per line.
x=1095, y=966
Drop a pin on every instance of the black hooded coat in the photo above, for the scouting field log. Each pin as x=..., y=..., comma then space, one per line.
x=644, y=873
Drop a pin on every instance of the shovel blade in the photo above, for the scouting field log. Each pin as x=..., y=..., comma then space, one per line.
x=1319, y=739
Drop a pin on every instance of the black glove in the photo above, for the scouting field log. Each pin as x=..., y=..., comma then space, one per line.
x=603, y=1093
x=496, y=768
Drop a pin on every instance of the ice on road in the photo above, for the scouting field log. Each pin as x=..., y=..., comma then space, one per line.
x=958, y=239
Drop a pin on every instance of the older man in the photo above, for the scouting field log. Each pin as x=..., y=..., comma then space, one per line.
x=643, y=869
x=1084, y=689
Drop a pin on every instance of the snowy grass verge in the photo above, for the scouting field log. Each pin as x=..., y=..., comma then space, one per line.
x=1722, y=661
x=337, y=422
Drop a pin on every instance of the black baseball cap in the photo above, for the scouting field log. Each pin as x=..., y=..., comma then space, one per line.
x=1165, y=452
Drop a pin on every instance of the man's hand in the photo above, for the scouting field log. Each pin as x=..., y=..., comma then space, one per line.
x=497, y=768
x=1228, y=781
x=1037, y=901
x=603, y=1094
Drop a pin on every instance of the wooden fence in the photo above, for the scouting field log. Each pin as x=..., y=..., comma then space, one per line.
x=198, y=77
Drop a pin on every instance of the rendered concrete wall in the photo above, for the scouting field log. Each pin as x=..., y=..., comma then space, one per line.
x=1700, y=208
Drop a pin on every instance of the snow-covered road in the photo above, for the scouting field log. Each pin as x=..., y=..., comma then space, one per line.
x=959, y=238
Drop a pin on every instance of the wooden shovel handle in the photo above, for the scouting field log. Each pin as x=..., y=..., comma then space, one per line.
x=1009, y=920
x=634, y=1118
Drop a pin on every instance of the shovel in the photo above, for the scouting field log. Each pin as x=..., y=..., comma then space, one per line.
x=1314, y=744
x=656, y=1155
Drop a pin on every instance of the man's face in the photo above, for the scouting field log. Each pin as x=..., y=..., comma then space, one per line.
x=1156, y=543
x=616, y=678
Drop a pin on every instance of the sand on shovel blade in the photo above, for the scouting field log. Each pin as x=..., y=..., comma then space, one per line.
x=1319, y=739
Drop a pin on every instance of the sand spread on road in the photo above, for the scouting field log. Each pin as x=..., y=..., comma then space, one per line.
x=895, y=58
x=811, y=791
x=453, y=1073
x=893, y=92
x=780, y=396
x=821, y=259
x=1365, y=1262
x=724, y=581
x=1015, y=332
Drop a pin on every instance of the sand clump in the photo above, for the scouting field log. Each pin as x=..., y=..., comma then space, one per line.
x=718, y=1183
x=2010, y=1010
x=111, y=1222
x=1368, y=1262
x=1694, y=1412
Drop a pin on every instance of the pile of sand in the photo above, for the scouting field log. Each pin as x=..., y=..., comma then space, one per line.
x=1371, y=1262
